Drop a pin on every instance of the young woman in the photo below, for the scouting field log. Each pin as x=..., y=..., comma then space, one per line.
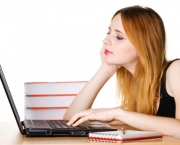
x=134, y=49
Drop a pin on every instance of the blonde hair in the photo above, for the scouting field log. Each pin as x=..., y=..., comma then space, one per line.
x=145, y=29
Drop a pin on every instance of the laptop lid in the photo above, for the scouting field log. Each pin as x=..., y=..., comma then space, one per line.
x=11, y=101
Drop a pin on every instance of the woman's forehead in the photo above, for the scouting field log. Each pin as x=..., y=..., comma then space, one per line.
x=116, y=24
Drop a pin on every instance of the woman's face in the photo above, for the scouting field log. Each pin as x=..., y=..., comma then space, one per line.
x=117, y=48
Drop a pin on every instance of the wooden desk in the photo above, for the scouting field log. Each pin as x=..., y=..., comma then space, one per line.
x=10, y=135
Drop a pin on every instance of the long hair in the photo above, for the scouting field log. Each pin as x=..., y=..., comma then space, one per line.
x=145, y=30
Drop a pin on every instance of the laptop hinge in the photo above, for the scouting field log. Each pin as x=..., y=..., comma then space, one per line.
x=24, y=131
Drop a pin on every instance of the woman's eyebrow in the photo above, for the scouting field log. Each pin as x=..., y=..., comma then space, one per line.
x=117, y=31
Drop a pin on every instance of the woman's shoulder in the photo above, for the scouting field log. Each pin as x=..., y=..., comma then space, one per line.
x=173, y=77
x=174, y=66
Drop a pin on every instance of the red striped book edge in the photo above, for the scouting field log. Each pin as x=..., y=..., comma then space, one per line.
x=55, y=82
x=46, y=107
x=46, y=95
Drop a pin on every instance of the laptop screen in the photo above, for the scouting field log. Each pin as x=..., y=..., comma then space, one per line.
x=11, y=101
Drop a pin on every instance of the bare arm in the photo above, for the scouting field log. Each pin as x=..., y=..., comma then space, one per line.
x=86, y=96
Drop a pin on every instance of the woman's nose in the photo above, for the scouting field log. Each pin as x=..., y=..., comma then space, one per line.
x=107, y=40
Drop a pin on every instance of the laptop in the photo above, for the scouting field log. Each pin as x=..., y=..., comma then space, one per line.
x=37, y=128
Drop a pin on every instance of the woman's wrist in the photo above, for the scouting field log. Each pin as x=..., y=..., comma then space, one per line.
x=117, y=113
x=109, y=71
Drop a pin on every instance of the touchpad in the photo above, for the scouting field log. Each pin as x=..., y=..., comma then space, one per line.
x=98, y=125
x=40, y=124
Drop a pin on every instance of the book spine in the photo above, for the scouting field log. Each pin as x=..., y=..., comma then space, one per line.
x=49, y=101
x=55, y=82
x=53, y=88
x=45, y=113
x=50, y=95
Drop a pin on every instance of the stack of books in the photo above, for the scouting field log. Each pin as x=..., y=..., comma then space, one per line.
x=49, y=100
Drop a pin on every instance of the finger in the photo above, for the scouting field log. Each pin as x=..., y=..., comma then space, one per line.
x=82, y=119
x=73, y=120
x=77, y=116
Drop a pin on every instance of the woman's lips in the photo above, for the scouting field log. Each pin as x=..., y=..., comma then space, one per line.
x=107, y=52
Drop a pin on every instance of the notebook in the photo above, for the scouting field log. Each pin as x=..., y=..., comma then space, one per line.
x=50, y=127
x=119, y=136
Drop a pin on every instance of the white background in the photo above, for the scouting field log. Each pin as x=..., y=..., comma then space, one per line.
x=60, y=40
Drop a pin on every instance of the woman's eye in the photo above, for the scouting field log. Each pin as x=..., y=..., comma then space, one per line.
x=119, y=38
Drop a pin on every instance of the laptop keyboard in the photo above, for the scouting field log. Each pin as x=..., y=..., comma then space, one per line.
x=62, y=124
